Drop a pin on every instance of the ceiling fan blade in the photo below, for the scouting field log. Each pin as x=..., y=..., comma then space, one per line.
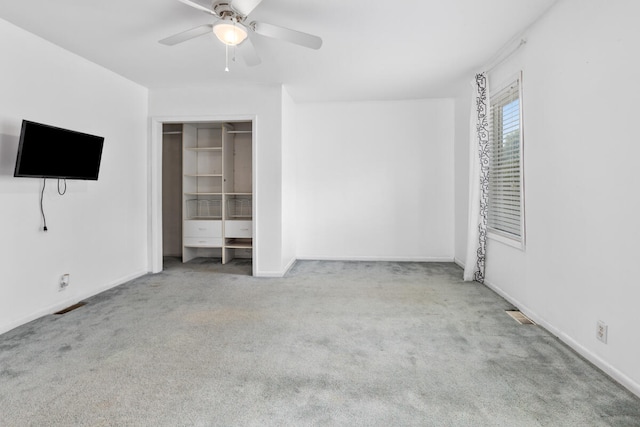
x=245, y=7
x=249, y=53
x=187, y=35
x=203, y=5
x=292, y=36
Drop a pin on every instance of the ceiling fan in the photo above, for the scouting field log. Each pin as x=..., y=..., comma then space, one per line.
x=233, y=29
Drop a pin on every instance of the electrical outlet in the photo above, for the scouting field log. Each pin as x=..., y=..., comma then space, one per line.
x=601, y=331
x=64, y=282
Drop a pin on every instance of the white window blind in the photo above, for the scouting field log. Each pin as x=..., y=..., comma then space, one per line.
x=505, y=210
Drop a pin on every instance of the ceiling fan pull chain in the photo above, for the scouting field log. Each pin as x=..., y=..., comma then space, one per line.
x=226, y=57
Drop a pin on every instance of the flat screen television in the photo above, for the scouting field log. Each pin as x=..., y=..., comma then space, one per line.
x=50, y=152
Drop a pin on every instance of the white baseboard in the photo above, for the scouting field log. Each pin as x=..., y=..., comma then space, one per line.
x=113, y=284
x=280, y=273
x=374, y=258
x=607, y=368
x=459, y=263
x=289, y=266
x=67, y=302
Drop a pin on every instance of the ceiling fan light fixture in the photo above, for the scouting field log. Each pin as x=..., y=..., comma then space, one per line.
x=229, y=34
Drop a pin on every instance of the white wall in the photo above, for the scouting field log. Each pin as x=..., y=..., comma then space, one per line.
x=97, y=230
x=265, y=103
x=461, y=162
x=581, y=109
x=289, y=180
x=375, y=180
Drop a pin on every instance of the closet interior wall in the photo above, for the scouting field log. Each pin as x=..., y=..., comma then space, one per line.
x=172, y=190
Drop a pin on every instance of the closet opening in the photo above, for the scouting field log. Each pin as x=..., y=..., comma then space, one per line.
x=207, y=195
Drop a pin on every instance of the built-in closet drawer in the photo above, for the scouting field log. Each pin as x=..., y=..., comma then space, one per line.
x=238, y=229
x=195, y=228
x=203, y=242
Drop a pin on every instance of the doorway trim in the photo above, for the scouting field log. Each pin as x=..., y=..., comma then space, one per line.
x=154, y=179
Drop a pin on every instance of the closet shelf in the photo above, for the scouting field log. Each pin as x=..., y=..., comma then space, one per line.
x=239, y=244
x=217, y=191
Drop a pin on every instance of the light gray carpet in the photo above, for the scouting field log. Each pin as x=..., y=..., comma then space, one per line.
x=333, y=343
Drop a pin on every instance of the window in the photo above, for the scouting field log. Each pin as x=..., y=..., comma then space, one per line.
x=505, y=218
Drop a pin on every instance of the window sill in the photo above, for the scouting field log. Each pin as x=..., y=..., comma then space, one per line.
x=505, y=239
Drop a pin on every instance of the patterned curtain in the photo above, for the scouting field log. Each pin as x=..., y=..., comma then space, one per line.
x=478, y=181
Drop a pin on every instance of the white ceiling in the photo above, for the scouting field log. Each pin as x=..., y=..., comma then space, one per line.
x=373, y=50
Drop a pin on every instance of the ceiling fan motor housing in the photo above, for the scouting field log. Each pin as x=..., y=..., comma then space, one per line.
x=224, y=11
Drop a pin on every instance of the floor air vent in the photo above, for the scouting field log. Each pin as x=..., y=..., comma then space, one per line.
x=519, y=317
x=70, y=308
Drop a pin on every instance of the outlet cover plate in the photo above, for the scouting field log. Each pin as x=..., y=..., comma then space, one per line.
x=601, y=331
x=64, y=282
